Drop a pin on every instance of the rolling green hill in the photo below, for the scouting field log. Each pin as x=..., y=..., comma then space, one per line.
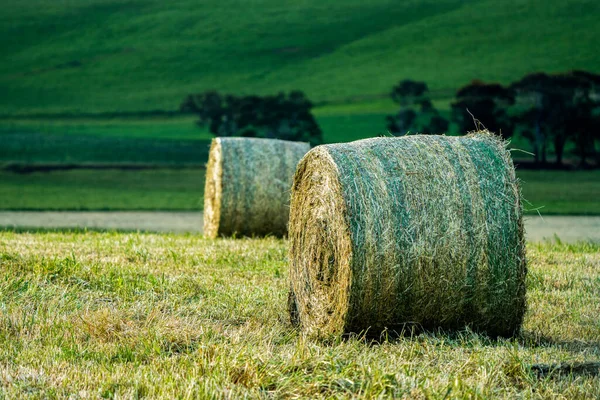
x=108, y=55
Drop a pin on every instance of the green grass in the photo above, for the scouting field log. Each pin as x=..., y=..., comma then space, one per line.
x=161, y=141
x=111, y=189
x=556, y=192
x=139, y=315
x=173, y=141
x=346, y=128
x=103, y=55
x=561, y=192
x=176, y=142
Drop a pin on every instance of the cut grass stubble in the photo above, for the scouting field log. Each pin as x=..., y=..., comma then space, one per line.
x=124, y=315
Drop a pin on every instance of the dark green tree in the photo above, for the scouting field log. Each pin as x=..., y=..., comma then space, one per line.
x=408, y=92
x=281, y=116
x=485, y=102
x=417, y=113
x=208, y=106
x=557, y=108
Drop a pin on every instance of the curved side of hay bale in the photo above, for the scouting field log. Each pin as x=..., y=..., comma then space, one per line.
x=248, y=184
x=423, y=230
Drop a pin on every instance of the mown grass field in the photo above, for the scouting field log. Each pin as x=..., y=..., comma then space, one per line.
x=87, y=315
x=103, y=55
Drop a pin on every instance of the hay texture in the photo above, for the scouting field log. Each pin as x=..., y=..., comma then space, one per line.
x=419, y=230
x=247, y=187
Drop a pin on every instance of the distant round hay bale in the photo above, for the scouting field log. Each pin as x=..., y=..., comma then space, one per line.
x=247, y=187
x=419, y=231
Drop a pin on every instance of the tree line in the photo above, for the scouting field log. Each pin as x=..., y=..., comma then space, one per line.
x=282, y=116
x=548, y=110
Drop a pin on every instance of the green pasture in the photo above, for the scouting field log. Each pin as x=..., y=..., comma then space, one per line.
x=110, y=189
x=109, y=315
x=156, y=141
x=175, y=141
x=163, y=140
x=546, y=192
x=107, y=56
x=561, y=192
x=170, y=153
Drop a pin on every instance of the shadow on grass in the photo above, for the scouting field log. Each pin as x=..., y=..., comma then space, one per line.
x=20, y=229
x=557, y=370
x=535, y=340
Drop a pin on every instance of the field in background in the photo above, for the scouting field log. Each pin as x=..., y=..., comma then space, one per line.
x=75, y=69
x=151, y=141
x=165, y=141
x=157, y=141
x=561, y=192
x=103, y=56
x=170, y=153
x=552, y=192
x=134, y=315
x=110, y=189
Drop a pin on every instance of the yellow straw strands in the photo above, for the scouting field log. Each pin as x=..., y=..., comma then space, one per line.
x=390, y=233
x=248, y=185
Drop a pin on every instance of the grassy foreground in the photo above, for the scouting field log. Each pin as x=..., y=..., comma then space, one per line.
x=111, y=315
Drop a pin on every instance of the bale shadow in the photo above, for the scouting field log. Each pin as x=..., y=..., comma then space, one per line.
x=73, y=230
x=535, y=340
x=558, y=370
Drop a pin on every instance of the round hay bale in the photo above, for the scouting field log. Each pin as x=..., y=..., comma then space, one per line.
x=424, y=231
x=247, y=187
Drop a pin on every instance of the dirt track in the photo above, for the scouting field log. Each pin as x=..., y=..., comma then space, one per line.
x=569, y=229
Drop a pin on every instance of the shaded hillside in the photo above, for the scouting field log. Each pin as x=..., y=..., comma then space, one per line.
x=102, y=55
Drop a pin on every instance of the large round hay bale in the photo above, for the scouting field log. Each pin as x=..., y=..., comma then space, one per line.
x=422, y=231
x=247, y=187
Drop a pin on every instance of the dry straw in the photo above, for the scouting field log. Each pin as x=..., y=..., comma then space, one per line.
x=247, y=187
x=420, y=230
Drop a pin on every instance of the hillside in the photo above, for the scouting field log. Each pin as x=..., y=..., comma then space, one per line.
x=107, y=55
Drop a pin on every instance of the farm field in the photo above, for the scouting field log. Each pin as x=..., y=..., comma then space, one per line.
x=107, y=56
x=110, y=189
x=134, y=315
x=561, y=192
x=169, y=154
x=108, y=289
x=152, y=141
x=164, y=141
x=549, y=192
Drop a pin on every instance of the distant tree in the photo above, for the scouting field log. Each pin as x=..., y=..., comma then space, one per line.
x=437, y=124
x=402, y=122
x=209, y=108
x=417, y=113
x=408, y=92
x=533, y=105
x=281, y=116
x=590, y=126
x=558, y=108
x=486, y=102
